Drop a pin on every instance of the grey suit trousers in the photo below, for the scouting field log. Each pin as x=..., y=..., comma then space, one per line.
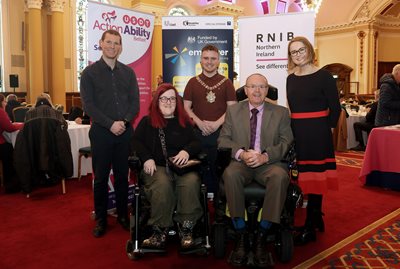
x=274, y=177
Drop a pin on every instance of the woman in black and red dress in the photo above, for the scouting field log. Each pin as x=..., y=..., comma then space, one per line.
x=315, y=108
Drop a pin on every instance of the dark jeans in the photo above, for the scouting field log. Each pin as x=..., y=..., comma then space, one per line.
x=110, y=151
x=362, y=126
x=11, y=183
x=210, y=147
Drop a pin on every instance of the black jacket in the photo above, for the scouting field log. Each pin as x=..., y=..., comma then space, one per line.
x=388, y=112
x=43, y=145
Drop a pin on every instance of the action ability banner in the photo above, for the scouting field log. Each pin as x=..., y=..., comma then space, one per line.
x=183, y=39
x=136, y=29
x=263, y=45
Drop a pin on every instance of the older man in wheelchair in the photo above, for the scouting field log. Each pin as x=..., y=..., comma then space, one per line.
x=164, y=141
x=259, y=135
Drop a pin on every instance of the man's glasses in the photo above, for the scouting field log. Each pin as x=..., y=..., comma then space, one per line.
x=300, y=51
x=253, y=87
x=164, y=99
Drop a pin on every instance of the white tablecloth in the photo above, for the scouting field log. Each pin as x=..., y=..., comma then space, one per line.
x=351, y=135
x=79, y=135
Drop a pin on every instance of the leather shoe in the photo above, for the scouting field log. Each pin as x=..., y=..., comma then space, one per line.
x=241, y=250
x=304, y=236
x=262, y=258
x=99, y=230
x=124, y=222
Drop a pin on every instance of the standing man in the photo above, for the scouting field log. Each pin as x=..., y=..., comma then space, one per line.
x=206, y=98
x=259, y=135
x=388, y=112
x=110, y=95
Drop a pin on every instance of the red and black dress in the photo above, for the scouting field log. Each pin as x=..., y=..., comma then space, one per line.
x=314, y=104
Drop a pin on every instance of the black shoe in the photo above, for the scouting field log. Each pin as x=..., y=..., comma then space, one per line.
x=319, y=221
x=124, y=222
x=304, y=236
x=241, y=250
x=262, y=258
x=186, y=234
x=100, y=229
x=359, y=148
x=157, y=240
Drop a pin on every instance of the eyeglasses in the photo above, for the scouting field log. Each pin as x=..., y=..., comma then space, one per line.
x=253, y=87
x=300, y=51
x=164, y=99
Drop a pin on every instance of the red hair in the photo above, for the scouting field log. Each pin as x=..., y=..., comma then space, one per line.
x=157, y=120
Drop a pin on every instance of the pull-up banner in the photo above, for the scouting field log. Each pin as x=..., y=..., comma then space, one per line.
x=136, y=30
x=263, y=45
x=183, y=39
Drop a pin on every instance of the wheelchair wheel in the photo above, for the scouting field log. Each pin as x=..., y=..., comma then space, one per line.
x=284, y=246
x=219, y=241
x=132, y=255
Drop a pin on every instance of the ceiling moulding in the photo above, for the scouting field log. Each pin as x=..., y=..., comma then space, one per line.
x=223, y=9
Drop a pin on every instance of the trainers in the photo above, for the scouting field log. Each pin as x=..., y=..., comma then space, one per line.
x=186, y=234
x=157, y=240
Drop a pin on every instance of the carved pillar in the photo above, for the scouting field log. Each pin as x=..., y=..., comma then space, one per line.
x=36, y=80
x=57, y=90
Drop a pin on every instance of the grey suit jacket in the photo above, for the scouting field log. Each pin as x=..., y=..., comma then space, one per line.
x=276, y=134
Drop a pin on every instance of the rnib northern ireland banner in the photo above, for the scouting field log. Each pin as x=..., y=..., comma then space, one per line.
x=263, y=45
x=183, y=39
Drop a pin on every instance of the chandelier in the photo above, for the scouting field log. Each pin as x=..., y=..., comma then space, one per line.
x=311, y=5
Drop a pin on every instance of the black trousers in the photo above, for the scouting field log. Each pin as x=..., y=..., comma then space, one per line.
x=110, y=151
x=210, y=146
x=11, y=183
x=362, y=126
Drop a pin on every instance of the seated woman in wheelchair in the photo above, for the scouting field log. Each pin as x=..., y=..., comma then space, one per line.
x=168, y=132
x=259, y=135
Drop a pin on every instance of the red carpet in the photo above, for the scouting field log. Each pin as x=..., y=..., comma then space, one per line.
x=51, y=230
x=375, y=246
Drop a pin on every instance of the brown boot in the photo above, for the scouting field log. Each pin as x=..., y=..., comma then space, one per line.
x=241, y=250
x=186, y=234
x=262, y=258
x=157, y=240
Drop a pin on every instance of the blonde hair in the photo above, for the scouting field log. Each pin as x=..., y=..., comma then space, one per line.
x=396, y=69
x=44, y=96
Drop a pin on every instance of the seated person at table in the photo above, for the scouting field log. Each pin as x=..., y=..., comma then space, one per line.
x=259, y=135
x=12, y=102
x=366, y=126
x=44, y=109
x=6, y=149
x=165, y=189
x=388, y=112
x=78, y=115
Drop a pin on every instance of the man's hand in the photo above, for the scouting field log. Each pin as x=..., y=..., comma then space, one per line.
x=118, y=128
x=253, y=158
x=208, y=127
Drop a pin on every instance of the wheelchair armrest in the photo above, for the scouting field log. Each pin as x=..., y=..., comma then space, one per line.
x=134, y=162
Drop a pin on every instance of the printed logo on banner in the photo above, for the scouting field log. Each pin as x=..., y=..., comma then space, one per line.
x=109, y=16
x=177, y=56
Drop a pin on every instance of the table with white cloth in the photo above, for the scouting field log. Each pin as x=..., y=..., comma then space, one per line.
x=351, y=135
x=79, y=136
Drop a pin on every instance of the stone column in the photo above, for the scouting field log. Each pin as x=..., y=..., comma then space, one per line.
x=57, y=87
x=36, y=79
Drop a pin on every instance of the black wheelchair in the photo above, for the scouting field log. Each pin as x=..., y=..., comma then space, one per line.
x=280, y=235
x=140, y=213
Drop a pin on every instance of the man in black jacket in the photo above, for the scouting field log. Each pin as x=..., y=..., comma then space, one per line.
x=366, y=126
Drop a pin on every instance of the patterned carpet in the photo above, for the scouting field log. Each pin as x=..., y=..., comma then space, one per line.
x=350, y=158
x=376, y=246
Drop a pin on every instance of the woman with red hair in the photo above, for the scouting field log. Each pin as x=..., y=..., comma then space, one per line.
x=168, y=124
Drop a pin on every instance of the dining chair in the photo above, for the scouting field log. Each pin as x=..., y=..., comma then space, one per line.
x=83, y=152
x=19, y=113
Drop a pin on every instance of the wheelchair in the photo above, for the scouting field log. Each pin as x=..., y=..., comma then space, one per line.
x=140, y=213
x=281, y=235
